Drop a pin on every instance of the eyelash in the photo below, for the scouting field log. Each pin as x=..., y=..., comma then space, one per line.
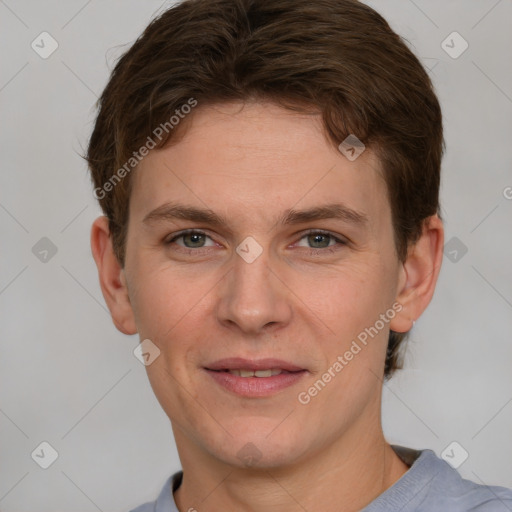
x=312, y=250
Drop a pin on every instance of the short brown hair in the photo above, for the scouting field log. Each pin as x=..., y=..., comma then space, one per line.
x=336, y=57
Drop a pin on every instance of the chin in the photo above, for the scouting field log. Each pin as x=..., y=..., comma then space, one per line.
x=263, y=449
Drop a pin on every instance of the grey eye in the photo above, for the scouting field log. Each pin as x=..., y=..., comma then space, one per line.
x=321, y=239
x=193, y=240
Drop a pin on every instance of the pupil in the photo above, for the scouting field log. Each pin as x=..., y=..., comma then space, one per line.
x=318, y=239
x=195, y=239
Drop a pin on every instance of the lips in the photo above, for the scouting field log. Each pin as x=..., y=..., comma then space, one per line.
x=255, y=378
x=240, y=363
x=256, y=373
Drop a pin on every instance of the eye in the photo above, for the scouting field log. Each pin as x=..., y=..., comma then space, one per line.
x=316, y=241
x=321, y=240
x=191, y=239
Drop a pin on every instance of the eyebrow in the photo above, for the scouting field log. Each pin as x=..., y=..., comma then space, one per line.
x=174, y=211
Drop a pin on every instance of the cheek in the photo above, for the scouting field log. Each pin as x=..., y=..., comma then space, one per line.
x=161, y=300
x=352, y=306
x=355, y=352
x=347, y=299
x=168, y=316
x=169, y=308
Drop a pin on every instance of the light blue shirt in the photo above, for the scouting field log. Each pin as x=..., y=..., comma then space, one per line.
x=430, y=485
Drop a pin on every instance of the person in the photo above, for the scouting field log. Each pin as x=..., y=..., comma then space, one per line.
x=269, y=176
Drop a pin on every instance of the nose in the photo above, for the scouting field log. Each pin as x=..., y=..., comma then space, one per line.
x=253, y=298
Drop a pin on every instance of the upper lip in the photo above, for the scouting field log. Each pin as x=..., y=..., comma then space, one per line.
x=240, y=363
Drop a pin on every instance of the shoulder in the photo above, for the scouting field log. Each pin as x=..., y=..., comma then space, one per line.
x=432, y=485
x=165, y=501
x=449, y=491
x=466, y=495
x=146, y=507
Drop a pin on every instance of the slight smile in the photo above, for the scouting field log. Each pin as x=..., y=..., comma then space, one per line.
x=255, y=378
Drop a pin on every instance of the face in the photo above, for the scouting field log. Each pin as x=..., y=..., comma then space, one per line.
x=254, y=244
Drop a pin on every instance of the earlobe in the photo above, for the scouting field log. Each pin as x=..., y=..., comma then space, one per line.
x=112, y=278
x=419, y=274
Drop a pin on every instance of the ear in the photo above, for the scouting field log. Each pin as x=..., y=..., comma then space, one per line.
x=112, y=279
x=418, y=275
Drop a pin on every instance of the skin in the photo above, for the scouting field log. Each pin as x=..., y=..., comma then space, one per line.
x=297, y=301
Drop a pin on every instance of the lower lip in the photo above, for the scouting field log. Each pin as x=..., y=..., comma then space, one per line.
x=256, y=386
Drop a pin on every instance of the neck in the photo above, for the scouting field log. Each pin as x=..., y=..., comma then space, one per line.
x=353, y=470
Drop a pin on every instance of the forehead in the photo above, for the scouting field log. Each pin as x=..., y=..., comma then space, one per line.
x=253, y=159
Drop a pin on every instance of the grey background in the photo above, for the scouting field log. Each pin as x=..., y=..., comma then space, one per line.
x=69, y=378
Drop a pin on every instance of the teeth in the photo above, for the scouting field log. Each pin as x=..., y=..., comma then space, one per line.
x=257, y=373
x=263, y=373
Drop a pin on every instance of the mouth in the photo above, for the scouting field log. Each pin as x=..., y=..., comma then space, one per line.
x=255, y=378
x=255, y=373
x=253, y=365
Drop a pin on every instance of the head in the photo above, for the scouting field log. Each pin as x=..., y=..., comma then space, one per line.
x=228, y=117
